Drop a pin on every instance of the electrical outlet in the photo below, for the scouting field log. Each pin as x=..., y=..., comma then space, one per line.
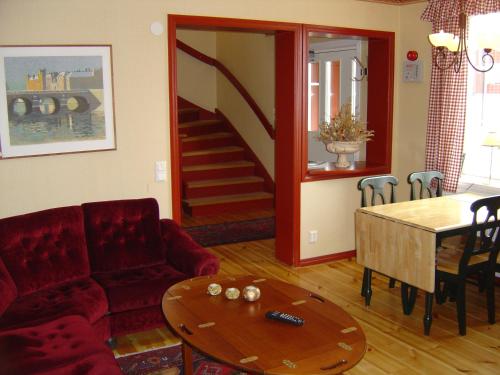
x=313, y=236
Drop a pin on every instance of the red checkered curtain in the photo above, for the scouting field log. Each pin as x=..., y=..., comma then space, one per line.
x=448, y=95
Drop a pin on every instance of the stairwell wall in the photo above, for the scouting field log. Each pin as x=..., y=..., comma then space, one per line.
x=250, y=57
x=196, y=81
x=141, y=102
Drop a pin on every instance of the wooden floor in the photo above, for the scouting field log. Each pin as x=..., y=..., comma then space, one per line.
x=396, y=344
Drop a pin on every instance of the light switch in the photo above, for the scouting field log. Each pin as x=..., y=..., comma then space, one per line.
x=160, y=170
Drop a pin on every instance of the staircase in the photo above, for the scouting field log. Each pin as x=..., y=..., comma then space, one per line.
x=218, y=173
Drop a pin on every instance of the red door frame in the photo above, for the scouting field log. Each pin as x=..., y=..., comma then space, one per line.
x=288, y=125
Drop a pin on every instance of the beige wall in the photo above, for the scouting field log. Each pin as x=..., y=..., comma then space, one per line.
x=409, y=135
x=250, y=57
x=141, y=102
x=195, y=80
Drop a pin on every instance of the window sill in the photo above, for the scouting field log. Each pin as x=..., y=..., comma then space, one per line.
x=477, y=188
x=329, y=172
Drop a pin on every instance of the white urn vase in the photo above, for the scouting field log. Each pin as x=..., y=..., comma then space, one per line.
x=342, y=149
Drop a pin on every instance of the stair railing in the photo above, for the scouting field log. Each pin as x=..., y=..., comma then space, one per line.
x=225, y=71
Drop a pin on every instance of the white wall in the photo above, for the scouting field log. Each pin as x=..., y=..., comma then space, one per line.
x=250, y=57
x=196, y=80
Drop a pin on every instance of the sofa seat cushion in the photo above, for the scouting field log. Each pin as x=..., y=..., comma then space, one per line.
x=67, y=345
x=138, y=288
x=82, y=297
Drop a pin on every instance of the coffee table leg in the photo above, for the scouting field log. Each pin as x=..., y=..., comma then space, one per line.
x=187, y=358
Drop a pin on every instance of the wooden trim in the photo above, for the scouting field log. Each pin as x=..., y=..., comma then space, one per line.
x=259, y=167
x=231, y=78
x=288, y=122
x=380, y=104
x=175, y=152
x=327, y=258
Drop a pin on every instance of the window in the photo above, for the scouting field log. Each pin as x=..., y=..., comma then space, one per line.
x=481, y=163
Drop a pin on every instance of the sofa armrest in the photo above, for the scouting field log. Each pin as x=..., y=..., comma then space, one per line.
x=8, y=290
x=184, y=253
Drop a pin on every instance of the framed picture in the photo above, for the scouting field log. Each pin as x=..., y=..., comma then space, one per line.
x=55, y=99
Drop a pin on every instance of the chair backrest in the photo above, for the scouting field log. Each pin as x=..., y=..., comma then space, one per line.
x=424, y=180
x=378, y=189
x=484, y=235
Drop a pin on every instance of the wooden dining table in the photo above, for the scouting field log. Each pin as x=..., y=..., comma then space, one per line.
x=400, y=240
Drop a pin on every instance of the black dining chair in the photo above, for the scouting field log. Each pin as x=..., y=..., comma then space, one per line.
x=477, y=255
x=425, y=184
x=380, y=188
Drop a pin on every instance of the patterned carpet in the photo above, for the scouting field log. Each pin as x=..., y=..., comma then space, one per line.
x=240, y=231
x=168, y=361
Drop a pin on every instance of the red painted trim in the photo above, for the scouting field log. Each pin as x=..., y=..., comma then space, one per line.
x=380, y=103
x=328, y=258
x=175, y=152
x=288, y=122
x=259, y=167
x=288, y=98
x=231, y=78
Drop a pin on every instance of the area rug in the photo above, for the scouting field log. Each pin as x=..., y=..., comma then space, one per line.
x=168, y=361
x=239, y=231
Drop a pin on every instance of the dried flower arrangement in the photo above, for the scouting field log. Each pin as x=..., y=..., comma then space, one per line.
x=344, y=127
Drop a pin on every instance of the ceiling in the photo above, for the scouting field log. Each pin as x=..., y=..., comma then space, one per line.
x=396, y=2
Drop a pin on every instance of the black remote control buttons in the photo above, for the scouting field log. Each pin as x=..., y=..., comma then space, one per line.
x=283, y=317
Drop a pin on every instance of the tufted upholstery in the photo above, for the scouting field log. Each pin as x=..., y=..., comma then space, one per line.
x=139, y=287
x=81, y=297
x=64, y=346
x=184, y=253
x=8, y=290
x=123, y=234
x=46, y=279
x=44, y=248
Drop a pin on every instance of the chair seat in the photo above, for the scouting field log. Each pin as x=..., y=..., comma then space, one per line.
x=448, y=259
x=64, y=346
x=137, y=288
x=82, y=297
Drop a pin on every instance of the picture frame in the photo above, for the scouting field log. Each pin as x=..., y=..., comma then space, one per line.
x=56, y=99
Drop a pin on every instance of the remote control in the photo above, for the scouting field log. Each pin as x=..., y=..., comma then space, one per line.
x=283, y=317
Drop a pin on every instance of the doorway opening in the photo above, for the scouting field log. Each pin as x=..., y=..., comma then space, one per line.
x=287, y=112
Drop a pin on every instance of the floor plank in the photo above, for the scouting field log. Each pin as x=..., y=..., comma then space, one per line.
x=396, y=344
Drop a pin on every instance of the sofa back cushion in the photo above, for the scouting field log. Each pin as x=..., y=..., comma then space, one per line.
x=123, y=234
x=44, y=248
x=8, y=290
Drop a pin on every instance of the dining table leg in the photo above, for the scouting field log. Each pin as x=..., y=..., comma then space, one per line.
x=368, y=287
x=187, y=358
x=428, y=313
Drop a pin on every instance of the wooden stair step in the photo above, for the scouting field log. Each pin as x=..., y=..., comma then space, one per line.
x=211, y=151
x=192, y=124
x=227, y=165
x=188, y=114
x=205, y=137
x=222, y=199
x=223, y=182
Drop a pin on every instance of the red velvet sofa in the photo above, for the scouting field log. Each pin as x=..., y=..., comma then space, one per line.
x=103, y=265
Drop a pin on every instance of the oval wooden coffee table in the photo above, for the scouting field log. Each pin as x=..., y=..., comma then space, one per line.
x=237, y=332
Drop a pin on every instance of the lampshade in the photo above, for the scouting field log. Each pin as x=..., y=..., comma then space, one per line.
x=440, y=39
x=492, y=139
x=453, y=44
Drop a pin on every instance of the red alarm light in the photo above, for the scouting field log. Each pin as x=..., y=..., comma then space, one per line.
x=412, y=55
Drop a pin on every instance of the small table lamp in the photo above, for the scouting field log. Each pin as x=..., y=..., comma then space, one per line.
x=491, y=140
